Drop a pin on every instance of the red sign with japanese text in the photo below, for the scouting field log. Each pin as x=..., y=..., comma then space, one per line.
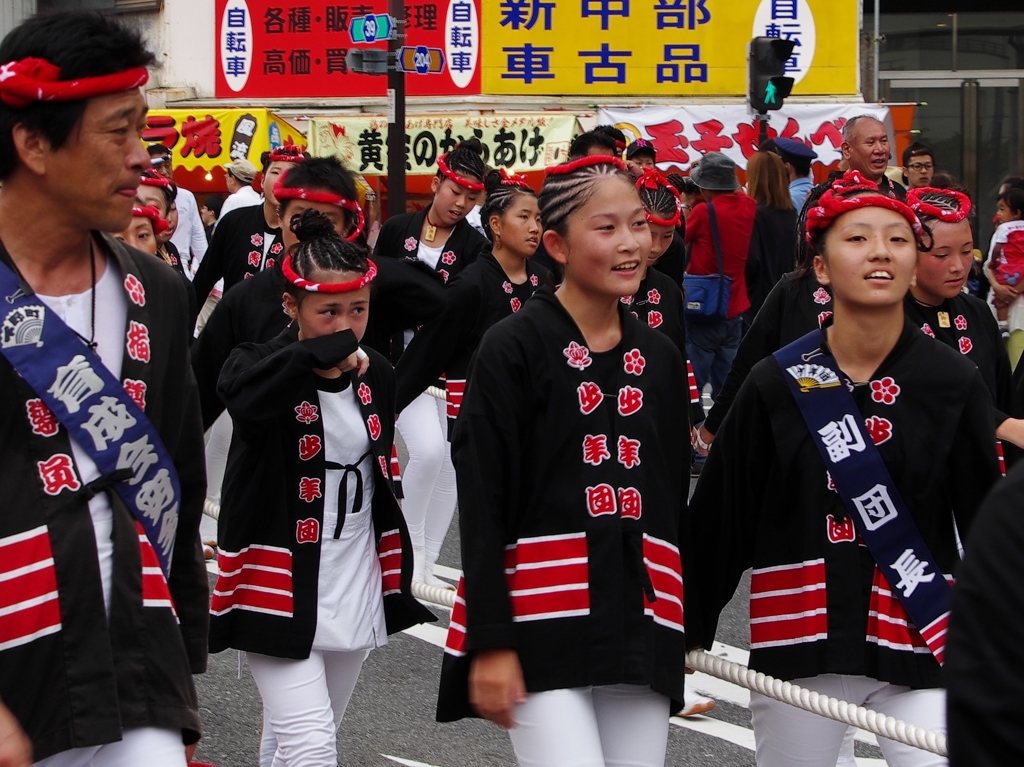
x=297, y=48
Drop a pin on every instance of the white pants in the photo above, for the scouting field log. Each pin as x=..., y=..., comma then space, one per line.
x=788, y=737
x=617, y=726
x=218, y=440
x=429, y=480
x=304, y=702
x=149, y=746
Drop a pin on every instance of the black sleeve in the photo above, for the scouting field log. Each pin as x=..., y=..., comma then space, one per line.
x=406, y=294
x=211, y=268
x=389, y=238
x=973, y=466
x=724, y=511
x=763, y=338
x=436, y=343
x=486, y=449
x=984, y=669
x=256, y=381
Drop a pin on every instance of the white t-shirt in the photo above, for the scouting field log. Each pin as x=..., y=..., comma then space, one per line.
x=111, y=320
x=350, y=607
x=245, y=197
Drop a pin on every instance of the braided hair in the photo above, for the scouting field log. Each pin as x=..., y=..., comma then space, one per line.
x=321, y=249
x=659, y=201
x=466, y=159
x=567, y=188
x=501, y=193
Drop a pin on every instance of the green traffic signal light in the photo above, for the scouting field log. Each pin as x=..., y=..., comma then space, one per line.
x=766, y=67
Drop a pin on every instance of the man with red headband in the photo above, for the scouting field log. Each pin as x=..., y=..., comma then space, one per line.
x=248, y=240
x=103, y=608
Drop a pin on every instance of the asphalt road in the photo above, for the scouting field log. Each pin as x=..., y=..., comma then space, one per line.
x=390, y=719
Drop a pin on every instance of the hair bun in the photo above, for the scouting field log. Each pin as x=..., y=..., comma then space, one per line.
x=473, y=145
x=492, y=181
x=312, y=225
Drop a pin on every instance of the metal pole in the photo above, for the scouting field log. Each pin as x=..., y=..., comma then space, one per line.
x=874, y=52
x=956, y=32
x=396, y=114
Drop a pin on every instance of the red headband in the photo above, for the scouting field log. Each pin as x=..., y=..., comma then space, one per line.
x=442, y=165
x=513, y=179
x=286, y=153
x=154, y=179
x=160, y=223
x=654, y=179
x=831, y=205
x=327, y=198
x=931, y=210
x=585, y=162
x=328, y=287
x=30, y=80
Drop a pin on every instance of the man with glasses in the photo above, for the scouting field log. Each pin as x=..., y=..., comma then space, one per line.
x=918, y=166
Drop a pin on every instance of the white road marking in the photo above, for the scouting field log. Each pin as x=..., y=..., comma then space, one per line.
x=408, y=762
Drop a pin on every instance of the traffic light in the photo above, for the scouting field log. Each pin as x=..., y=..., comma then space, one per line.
x=766, y=62
x=368, y=61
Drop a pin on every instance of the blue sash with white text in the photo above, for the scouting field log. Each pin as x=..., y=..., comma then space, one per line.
x=861, y=479
x=72, y=381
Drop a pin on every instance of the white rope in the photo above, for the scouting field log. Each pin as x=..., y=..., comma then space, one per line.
x=437, y=393
x=211, y=508
x=787, y=692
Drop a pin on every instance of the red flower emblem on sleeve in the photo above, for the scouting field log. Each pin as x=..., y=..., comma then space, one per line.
x=410, y=243
x=138, y=341
x=654, y=319
x=506, y=286
x=309, y=446
x=653, y=296
x=306, y=413
x=578, y=356
x=365, y=396
x=276, y=248
x=137, y=391
x=43, y=422
x=885, y=390
x=307, y=531
x=533, y=280
x=927, y=330
x=256, y=240
x=627, y=300
x=515, y=303
x=373, y=424
x=270, y=263
x=448, y=257
x=248, y=275
x=631, y=400
x=254, y=258
x=879, y=428
x=960, y=322
x=634, y=362
x=136, y=291
x=965, y=345
x=590, y=397
x=821, y=296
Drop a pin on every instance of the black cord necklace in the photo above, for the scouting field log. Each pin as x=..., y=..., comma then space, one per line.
x=91, y=343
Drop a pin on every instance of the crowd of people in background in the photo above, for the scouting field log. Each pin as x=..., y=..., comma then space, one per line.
x=574, y=334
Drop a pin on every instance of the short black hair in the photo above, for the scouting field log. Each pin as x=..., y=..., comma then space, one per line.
x=321, y=173
x=81, y=44
x=1013, y=182
x=917, y=149
x=583, y=143
x=615, y=133
x=1014, y=199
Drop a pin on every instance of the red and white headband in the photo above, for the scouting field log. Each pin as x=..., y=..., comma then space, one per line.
x=149, y=178
x=585, y=162
x=513, y=179
x=31, y=80
x=831, y=205
x=654, y=179
x=327, y=198
x=160, y=223
x=327, y=287
x=286, y=153
x=442, y=165
x=931, y=209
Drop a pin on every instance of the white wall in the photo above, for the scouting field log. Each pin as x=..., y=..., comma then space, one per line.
x=182, y=36
x=13, y=12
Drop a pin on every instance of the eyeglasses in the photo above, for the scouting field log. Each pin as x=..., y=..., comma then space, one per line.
x=920, y=166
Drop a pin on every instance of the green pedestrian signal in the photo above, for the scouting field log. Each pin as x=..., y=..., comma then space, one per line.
x=767, y=84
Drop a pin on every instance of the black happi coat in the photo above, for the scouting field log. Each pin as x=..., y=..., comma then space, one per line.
x=563, y=454
x=405, y=293
x=273, y=506
x=91, y=678
x=400, y=237
x=795, y=306
x=763, y=501
x=984, y=662
x=236, y=251
x=478, y=297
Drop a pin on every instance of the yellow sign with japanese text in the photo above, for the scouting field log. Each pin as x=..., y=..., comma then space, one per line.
x=516, y=142
x=664, y=47
x=207, y=138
